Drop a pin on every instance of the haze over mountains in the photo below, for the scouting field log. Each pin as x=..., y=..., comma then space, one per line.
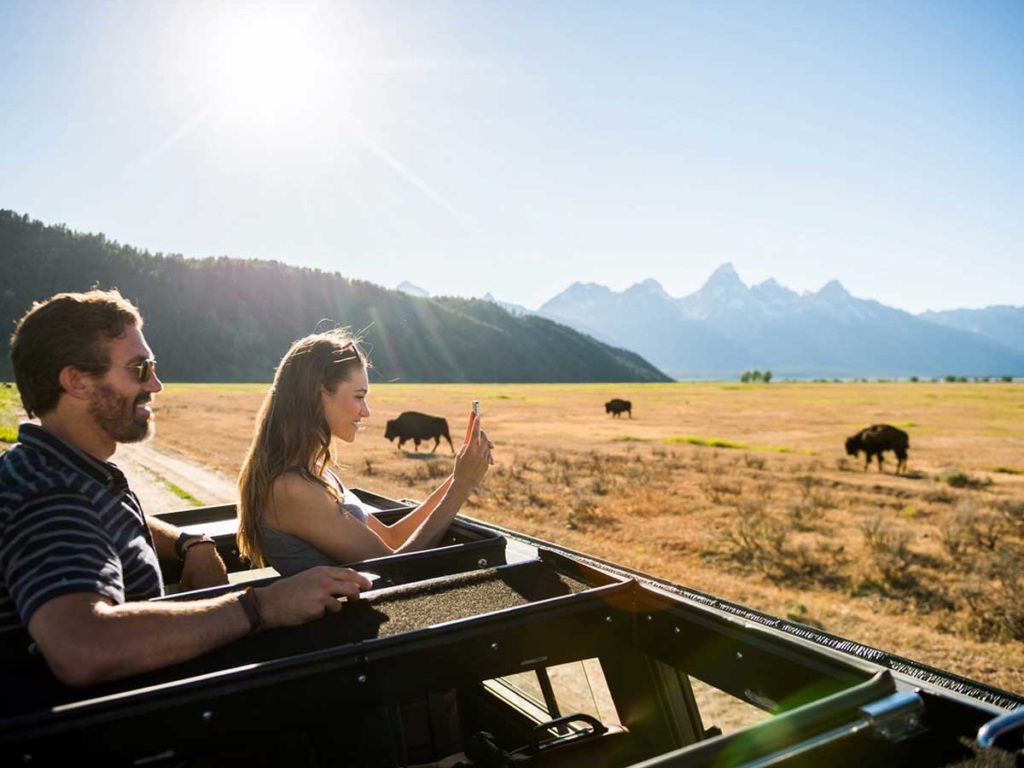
x=727, y=327
x=223, y=319
x=229, y=319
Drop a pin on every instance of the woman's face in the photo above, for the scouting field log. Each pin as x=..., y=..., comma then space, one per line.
x=346, y=407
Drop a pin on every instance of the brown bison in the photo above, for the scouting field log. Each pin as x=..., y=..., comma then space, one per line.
x=418, y=427
x=875, y=440
x=617, y=407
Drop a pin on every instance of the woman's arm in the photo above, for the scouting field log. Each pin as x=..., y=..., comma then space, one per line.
x=400, y=532
x=305, y=509
x=396, y=534
x=423, y=527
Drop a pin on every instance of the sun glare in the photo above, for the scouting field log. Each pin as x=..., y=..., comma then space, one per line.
x=275, y=67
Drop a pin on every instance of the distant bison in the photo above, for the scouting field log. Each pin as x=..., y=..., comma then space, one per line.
x=418, y=427
x=876, y=439
x=617, y=407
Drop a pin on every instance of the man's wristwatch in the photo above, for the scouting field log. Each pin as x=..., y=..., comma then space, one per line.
x=187, y=540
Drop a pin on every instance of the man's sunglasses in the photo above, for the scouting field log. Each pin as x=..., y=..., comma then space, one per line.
x=146, y=369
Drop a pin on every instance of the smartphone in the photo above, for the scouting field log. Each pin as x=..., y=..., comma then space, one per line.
x=476, y=407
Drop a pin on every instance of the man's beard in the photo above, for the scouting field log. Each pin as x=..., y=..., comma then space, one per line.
x=115, y=415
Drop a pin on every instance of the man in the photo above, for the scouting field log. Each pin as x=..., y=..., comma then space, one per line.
x=78, y=558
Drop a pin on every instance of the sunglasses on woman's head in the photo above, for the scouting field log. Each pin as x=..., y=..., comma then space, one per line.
x=146, y=369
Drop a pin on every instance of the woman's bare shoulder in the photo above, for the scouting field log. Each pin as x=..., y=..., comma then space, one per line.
x=295, y=486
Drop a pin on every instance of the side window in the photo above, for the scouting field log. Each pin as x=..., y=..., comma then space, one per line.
x=564, y=689
x=722, y=710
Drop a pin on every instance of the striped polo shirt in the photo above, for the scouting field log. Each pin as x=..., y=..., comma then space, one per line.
x=68, y=523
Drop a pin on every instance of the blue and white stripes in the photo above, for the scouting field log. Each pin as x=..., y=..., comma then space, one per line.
x=68, y=523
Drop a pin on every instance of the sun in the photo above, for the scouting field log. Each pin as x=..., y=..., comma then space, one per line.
x=276, y=66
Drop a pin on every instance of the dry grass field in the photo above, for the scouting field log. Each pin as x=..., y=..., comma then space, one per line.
x=743, y=491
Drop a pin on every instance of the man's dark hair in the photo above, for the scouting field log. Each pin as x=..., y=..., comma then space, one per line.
x=66, y=329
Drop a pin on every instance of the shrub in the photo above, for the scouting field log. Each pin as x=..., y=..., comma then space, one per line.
x=1012, y=512
x=758, y=540
x=518, y=466
x=432, y=469
x=582, y=513
x=715, y=486
x=753, y=461
x=889, y=548
x=765, y=490
x=940, y=496
x=958, y=478
x=955, y=530
x=995, y=599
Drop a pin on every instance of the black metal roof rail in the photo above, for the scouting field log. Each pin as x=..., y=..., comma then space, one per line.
x=782, y=731
x=924, y=673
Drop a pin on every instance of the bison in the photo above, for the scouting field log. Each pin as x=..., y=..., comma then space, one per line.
x=418, y=427
x=875, y=440
x=617, y=407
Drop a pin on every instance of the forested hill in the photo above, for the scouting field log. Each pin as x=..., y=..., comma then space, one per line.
x=226, y=319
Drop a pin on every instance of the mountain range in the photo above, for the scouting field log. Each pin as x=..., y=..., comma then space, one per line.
x=726, y=327
x=225, y=319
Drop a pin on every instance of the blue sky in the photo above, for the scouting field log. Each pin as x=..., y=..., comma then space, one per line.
x=516, y=147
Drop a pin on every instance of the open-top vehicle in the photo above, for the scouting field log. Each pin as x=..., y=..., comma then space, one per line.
x=499, y=649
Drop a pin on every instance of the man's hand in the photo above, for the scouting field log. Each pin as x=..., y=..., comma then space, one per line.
x=202, y=568
x=308, y=595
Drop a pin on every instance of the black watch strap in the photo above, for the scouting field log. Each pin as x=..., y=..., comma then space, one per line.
x=182, y=538
x=186, y=541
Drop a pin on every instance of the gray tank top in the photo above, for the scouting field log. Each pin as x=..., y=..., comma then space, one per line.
x=288, y=554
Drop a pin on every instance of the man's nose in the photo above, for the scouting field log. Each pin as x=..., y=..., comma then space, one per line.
x=154, y=384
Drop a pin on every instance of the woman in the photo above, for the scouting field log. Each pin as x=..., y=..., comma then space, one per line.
x=294, y=513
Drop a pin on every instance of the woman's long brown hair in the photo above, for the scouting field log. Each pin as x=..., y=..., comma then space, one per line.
x=291, y=431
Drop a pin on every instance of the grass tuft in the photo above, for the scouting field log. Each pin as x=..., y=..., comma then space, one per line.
x=710, y=442
x=10, y=409
x=182, y=494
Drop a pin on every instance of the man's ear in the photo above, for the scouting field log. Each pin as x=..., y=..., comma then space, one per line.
x=76, y=382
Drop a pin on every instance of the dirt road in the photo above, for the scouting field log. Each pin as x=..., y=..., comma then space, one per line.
x=165, y=480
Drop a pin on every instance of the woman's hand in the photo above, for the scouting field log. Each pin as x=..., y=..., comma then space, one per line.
x=474, y=457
